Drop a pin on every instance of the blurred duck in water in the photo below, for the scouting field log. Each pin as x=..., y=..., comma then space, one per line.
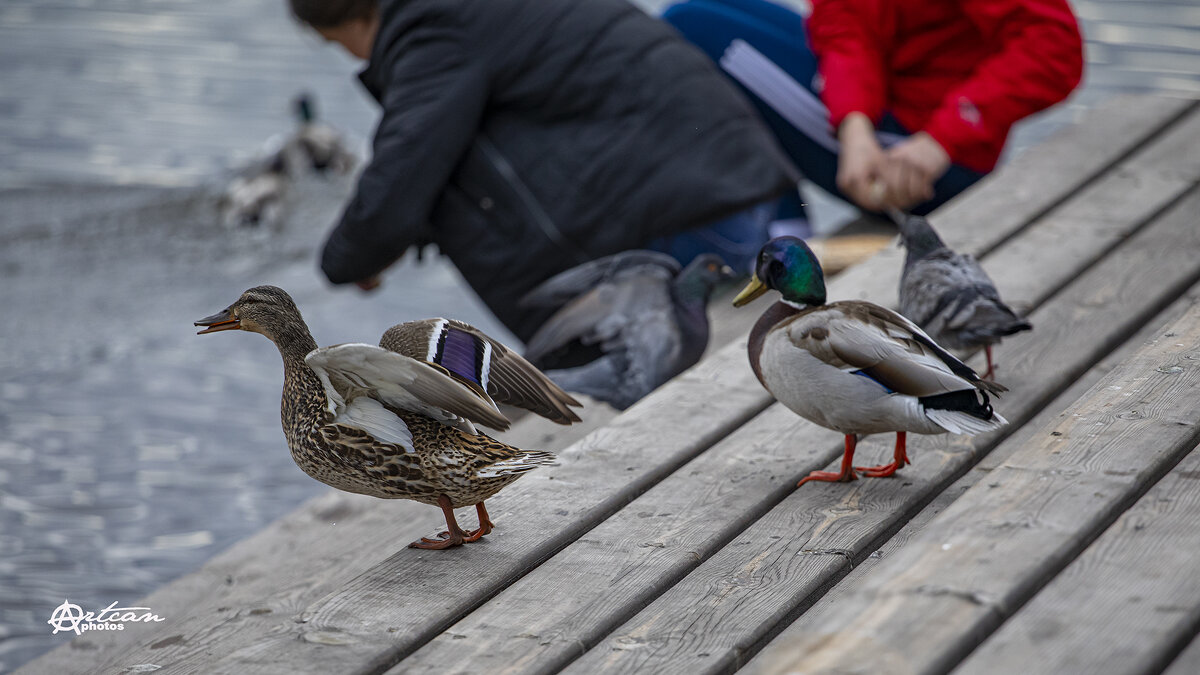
x=257, y=197
x=316, y=146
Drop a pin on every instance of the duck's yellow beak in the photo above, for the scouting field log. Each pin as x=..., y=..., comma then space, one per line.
x=223, y=320
x=752, y=290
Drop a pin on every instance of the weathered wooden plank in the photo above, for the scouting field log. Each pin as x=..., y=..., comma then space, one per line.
x=774, y=569
x=638, y=552
x=1103, y=212
x=982, y=558
x=313, y=550
x=814, y=617
x=411, y=596
x=1128, y=604
x=341, y=560
x=1045, y=175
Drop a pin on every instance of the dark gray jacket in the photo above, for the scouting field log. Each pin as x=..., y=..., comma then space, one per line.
x=526, y=136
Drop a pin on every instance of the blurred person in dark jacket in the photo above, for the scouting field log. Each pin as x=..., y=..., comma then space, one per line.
x=892, y=103
x=523, y=137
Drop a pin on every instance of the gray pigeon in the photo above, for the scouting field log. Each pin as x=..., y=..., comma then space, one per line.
x=624, y=324
x=949, y=295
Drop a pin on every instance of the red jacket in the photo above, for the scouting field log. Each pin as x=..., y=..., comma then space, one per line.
x=961, y=70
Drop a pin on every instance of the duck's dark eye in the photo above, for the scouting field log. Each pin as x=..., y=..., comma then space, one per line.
x=775, y=269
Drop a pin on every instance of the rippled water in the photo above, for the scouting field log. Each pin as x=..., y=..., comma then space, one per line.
x=132, y=450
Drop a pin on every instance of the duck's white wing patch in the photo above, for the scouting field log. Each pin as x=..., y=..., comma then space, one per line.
x=355, y=370
x=961, y=423
x=369, y=415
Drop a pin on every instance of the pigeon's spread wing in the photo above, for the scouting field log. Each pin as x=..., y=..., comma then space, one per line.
x=579, y=319
x=351, y=371
x=562, y=287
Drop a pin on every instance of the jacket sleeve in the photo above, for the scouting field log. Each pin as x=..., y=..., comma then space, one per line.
x=432, y=106
x=852, y=67
x=1039, y=64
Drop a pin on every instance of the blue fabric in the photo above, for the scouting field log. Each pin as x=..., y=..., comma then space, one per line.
x=885, y=387
x=737, y=239
x=779, y=34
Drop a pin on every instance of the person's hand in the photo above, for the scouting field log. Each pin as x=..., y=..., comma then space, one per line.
x=861, y=161
x=910, y=169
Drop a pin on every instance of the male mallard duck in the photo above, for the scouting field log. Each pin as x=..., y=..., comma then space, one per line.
x=398, y=421
x=643, y=312
x=949, y=295
x=853, y=366
x=315, y=145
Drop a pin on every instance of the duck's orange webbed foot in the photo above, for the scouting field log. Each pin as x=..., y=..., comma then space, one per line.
x=899, y=460
x=485, y=525
x=444, y=540
x=846, y=474
x=451, y=537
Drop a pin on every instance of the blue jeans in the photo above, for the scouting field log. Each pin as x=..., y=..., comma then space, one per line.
x=737, y=239
x=780, y=35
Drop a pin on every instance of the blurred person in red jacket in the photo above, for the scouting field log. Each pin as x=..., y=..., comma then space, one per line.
x=892, y=103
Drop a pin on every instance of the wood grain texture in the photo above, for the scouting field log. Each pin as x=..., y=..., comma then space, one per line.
x=1128, y=604
x=1044, y=176
x=306, y=555
x=1105, y=209
x=814, y=617
x=605, y=592
x=982, y=558
x=551, y=615
x=319, y=564
x=408, y=598
x=720, y=611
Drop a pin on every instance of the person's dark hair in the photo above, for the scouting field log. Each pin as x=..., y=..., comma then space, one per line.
x=330, y=13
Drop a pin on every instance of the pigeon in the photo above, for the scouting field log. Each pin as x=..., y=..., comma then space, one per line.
x=624, y=324
x=949, y=295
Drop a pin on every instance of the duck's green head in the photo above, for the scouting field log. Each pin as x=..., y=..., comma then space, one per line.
x=304, y=108
x=787, y=265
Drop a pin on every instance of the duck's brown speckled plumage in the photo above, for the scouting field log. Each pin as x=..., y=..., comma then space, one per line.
x=445, y=465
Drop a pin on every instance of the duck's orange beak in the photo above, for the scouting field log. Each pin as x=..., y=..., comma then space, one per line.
x=223, y=320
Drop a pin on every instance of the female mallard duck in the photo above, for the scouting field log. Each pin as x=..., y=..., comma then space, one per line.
x=949, y=294
x=853, y=366
x=398, y=421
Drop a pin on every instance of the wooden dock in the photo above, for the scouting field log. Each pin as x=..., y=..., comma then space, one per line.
x=672, y=538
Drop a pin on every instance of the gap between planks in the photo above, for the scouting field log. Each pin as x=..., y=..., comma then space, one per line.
x=990, y=551
x=1044, y=356
x=245, y=629
x=485, y=640
x=813, y=618
x=1130, y=603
